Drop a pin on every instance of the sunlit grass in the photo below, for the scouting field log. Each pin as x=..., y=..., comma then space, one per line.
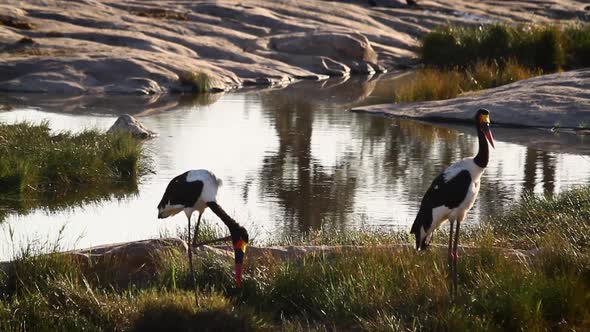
x=534, y=221
x=39, y=165
x=459, y=59
x=197, y=81
x=438, y=84
x=369, y=289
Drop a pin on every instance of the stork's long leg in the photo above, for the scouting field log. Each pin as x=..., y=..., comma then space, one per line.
x=196, y=230
x=455, y=256
x=190, y=261
x=450, y=258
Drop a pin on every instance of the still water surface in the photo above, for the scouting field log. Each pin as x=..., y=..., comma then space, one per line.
x=293, y=159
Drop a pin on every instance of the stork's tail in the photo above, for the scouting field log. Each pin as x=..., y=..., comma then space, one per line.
x=165, y=212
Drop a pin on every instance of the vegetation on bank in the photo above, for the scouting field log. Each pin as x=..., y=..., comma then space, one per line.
x=368, y=290
x=546, y=47
x=437, y=84
x=197, y=81
x=471, y=58
x=38, y=167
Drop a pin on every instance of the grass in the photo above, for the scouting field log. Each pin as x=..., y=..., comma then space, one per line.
x=16, y=23
x=577, y=42
x=39, y=168
x=470, y=58
x=437, y=84
x=546, y=47
x=197, y=81
x=162, y=14
x=365, y=290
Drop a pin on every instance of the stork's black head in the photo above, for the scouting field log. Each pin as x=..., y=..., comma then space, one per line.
x=239, y=239
x=482, y=121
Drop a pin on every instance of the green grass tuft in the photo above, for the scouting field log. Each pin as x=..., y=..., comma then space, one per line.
x=198, y=82
x=40, y=168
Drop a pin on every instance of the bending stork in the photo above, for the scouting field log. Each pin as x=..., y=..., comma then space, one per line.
x=452, y=194
x=195, y=191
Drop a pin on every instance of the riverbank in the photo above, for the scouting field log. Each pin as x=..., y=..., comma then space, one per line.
x=40, y=168
x=550, y=101
x=361, y=289
x=159, y=47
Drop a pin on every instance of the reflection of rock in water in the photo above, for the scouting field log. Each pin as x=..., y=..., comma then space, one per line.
x=336, y=91
x=53, y=202
x=534, y=160
x=135, y=105
x=309, y=193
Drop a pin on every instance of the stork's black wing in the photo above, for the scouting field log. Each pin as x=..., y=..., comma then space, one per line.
x=181, y=192
x=450, y=194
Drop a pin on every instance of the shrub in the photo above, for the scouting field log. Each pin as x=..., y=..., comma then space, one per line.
x=537, y=47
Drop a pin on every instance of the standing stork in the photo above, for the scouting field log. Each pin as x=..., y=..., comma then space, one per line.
x=452, y=194
x=196, y=190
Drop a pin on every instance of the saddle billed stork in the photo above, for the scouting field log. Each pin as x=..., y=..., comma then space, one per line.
x=196, y=190
x=452, y=194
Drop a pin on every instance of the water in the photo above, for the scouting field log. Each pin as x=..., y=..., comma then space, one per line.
x=292, y=159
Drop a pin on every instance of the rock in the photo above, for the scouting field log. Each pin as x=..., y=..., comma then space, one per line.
x=546, y=101
x=124, y=263
x=136, y=86
x=128, y=262
x=129, y=124
x=361, y=68
x=94, y=47
x=136, y=105
x=43, y=82
x=319, y=65
x=338, y=46
x=331, y=53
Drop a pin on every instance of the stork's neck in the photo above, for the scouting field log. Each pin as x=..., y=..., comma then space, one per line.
x=227, y=220
x=483, y=155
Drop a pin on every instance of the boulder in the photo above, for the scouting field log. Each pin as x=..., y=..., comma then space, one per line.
x=124, y=263
x=338, y=46
x=129, y=124
x=134, y=86
x=331, y=53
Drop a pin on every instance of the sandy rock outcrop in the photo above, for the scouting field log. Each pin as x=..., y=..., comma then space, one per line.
x=128, y=262
x=143, y=47
x=129, y=124
x=556, y=100
x=329, y=53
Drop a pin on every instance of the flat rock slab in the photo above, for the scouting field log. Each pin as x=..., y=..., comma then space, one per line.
x=556, y=100
x=141, y=47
